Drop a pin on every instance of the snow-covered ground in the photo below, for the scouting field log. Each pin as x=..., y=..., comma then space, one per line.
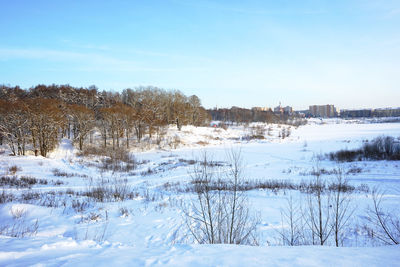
x=149, y=229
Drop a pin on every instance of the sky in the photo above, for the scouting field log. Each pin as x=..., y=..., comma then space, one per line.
x=229, y=53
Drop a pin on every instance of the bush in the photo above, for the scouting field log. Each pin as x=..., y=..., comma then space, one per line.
x=107, y=191
x=346, y=155
x=380, y=148
x=23, y=182
x=272, y=184
x=14, y=169
x=216, y=217
x=383, y=147
x=149, y=171
x=20, y=227
x=119, y=160
x=6, y=197
x=115, y=160
x=79, y=206
x=384, y=224
x=59, y=173
x=93, y=151
x=29, y=196
x=188, y=161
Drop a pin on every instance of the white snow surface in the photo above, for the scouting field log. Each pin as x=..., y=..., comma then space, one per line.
x=88, y=253
x=152, y=231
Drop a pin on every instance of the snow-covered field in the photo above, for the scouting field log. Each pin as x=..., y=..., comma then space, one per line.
x=149, y=228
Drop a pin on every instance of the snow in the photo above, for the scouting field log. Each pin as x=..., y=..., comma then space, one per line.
x=151, y=231
x=72, y=253
x=64, y=151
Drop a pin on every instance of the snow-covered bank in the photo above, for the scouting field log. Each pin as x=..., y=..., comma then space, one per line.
x=69, y=252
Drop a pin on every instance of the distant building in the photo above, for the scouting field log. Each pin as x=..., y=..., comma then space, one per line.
x=324, y=111
x=278, y=110
x=356, y=113
x=288, y=110
x=283, y=110
x=367, y=113
x=261, y=108
x=386, y=112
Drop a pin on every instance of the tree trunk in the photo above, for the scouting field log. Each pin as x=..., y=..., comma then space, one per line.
x=80, y=142
x=113, y=138
x=105, y=138
x=178, y=125
x=118, y=134
x=127, y=138
x=11, y=144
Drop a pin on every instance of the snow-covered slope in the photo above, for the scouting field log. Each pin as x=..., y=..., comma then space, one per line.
x=89, y=253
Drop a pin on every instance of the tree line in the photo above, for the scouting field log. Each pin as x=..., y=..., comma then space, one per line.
x=39, y=116
x=242, y=115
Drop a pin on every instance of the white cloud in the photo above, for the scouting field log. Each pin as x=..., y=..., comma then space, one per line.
x=89, y=62
x=57, y=55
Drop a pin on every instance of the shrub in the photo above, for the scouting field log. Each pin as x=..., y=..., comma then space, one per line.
x=119, y=160
x=220, y=217
x=124, y=212
x=380, y=148
x=274, y=185
x=6, y=197
x=29, y=196
x=116, y=160
x=79, y=206
x=14, y=169
x=19, y=227
x=384, y=224
x=107, y=191
x=346, y=155
x=149, y=171
x=59, y=173
x=188, y=161
x=22, y=182
x=175, y=142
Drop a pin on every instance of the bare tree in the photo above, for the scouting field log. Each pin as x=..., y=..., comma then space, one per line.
x=292, y=230
x=318, y=209
x=40, y=114
x=385, y=225
x=203, y=216
x=237, y=201
x=102, y=124
x=14, y=125
x=46, y=119
x=179, y=109
x=84, y=122
x=217, y=215
x=195, y=105
x=341, y=207
x=113, y=118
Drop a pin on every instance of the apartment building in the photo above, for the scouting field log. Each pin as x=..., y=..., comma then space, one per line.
x=324, y=111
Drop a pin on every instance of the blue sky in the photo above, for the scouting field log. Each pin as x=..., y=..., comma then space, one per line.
x=243, y=53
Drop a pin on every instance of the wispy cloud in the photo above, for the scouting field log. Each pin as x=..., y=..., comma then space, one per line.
x=173, y=56
x=103, y=48
x=88, y=62
x=249, y=9
x=87, y=46
x=137, y=69
x=394, y=12
x=57, y=55
x=385, y=8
